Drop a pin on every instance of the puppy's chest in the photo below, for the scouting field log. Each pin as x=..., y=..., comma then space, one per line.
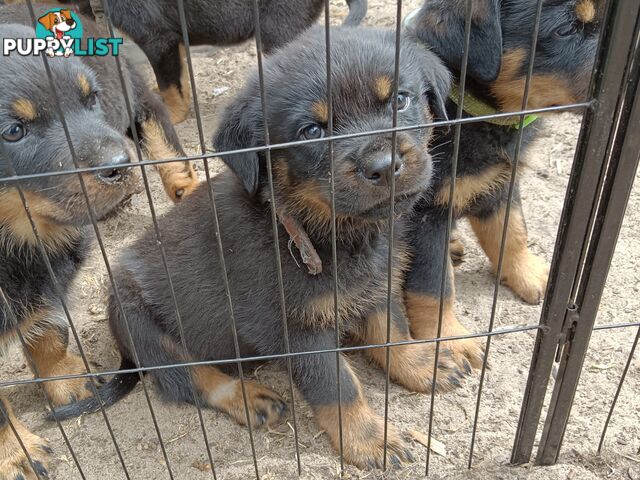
x=362, y=288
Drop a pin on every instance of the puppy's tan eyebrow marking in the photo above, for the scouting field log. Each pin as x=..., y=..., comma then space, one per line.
x=83, y=82
x=382, y=87
x=25, y=109
x=586, y=11
x=320, y=111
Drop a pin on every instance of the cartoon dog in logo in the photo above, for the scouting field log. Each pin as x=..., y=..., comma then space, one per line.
x=59, y=23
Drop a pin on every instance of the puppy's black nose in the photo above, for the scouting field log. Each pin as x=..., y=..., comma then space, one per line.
x=70, y=22
x=378, y=170
x=113, y=175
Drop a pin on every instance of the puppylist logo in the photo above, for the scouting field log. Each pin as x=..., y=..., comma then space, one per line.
x=59, y=34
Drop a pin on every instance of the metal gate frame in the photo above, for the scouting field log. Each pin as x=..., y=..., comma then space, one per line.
x=601, y=179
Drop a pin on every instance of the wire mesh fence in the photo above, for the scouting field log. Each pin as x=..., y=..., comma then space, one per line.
x=601, y=178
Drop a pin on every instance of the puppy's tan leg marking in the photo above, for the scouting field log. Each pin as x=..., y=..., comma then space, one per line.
x=362, y=433
x=423, y=312
x=178, y=99
x=525, y=273
x=49, y=353
x=410, y=365
x=14, y=463
x=224, y=393
x=179, y=178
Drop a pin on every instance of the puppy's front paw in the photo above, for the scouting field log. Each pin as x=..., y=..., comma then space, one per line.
x=363, y=436
x=179, y=180
x=413, y=368
x=62, y=392
x=14, y=463
x=265, y=406
x=456, y=251
x=527, y=276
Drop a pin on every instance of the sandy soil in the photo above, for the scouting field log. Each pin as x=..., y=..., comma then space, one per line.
x=219, y=73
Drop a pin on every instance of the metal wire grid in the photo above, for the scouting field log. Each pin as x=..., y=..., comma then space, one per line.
x=205, y=155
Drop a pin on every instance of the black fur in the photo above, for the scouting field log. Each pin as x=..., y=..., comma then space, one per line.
x=295, y=81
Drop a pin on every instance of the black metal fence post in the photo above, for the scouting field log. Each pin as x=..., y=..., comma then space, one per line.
x=603, y=171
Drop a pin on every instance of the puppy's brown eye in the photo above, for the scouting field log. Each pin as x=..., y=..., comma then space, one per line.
x=312, y=132
x=404, y=101
x=92, y=99
x=14, y=133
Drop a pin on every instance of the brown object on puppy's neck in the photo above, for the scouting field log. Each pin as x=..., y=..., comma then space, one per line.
x=302, y=241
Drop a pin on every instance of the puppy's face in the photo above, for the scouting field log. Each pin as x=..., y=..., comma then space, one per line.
x=33, y=140
x=500, y=46
x=363, y=98
x=565, y=53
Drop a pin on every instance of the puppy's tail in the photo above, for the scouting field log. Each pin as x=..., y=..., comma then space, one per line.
x=357, y=12
x=108, y=394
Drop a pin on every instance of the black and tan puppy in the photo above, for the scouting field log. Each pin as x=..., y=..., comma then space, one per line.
x=363, y=63
x=32, y=141
x=155, y=26
x=501, y=33
x=156, y=134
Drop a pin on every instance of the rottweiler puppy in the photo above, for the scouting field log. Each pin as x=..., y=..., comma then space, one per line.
x=501, y=33
x=155, y=26
x=362, y=97
x=156, y=134
x=32, y=141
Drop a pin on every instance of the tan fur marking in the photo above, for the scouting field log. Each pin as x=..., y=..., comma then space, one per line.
x=85, y=86
x=13, y=461
x=469, y=187
x=25, y=109
x=51, y=358
x=18, y=228
x=225, y=393
x=545, y=90
x=362, y=432
x=176, y=176
x=586, y=11
x=424, y=313
x=178, y=100
x=525, y=273
x=382, y=87
x=320, y=111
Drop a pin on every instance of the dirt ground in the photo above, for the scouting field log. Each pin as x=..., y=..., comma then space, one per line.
x=219, y=74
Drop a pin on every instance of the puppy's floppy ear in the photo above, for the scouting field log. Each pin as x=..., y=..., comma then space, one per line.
x=441, y=23
x=47, y=20
x=439, y=85
x=436, y=80
x=242, y=127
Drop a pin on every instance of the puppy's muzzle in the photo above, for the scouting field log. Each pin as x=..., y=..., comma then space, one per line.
x=115, y=158
x=380, y=169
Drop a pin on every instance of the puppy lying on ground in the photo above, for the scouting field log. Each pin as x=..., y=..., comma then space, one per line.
x=155, y=131
x=155, y=26
x=499, y=54
x=32, y=141
x=363, y=68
